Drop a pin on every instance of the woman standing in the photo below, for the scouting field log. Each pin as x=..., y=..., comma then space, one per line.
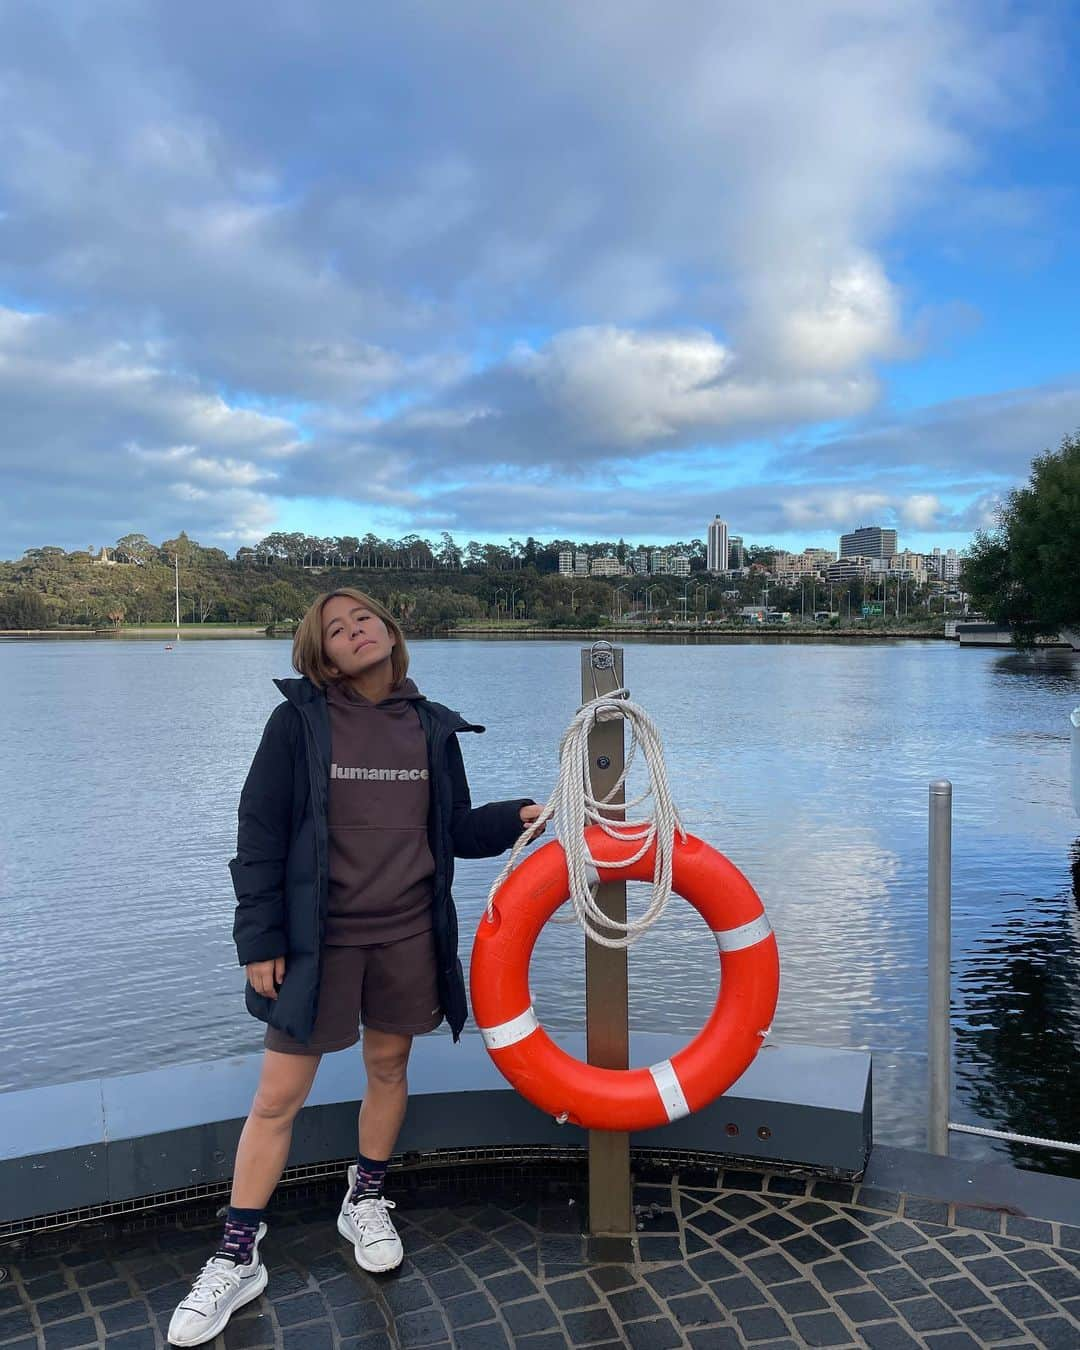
x=352, y=813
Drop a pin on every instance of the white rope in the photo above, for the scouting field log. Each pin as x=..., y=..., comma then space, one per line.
x=572, y=807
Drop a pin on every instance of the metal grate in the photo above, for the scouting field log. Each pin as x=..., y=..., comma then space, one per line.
x=493, y=1162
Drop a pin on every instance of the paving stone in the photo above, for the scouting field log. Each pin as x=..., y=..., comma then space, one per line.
x=899, y=1236
x=56, y=1309
x=959, y=1293
x=822, y=1329
x=1058, y=1282
x=421, y=1328
x=491, y=1260
x=839, y=1232
x=1070, y=1237
x=548, y=1340
x=710, y=1222
x=739, y=1206
x=740, y=1242
x=875, y=1197
x=633, y=1304
x=1024, y=1300
x=535, y=1314
x=656, y=1335
x=447, y=1283
x=811, y=1212
x=841, y=1192
x=970, y=1216
x=125, y=1316
x=926, y=1314
x=737, y=1293
x=838, y=1274
x=952, y=1340
x=762, y=1324
x=719, y=1338
x=362, y=1316
x=772, y=1268
x=16, y=1323
x=992, y=1271
x=888, y=1336
x=405, y=1296
x=659, y=1249
x=965, y=1244
x=897, y=1283
x=869, y=1256
x=1054, y=1332
x=605, y=1278
x=696, y=1310
x=576, y=1292
x=710, y=1266
x=1032, y=1230
x=806, y=1249
x=491, y=1336
x=799, y=1297
x=593, y=1325
x=315, y=1338
x=303, y=1308
x=930, y=1211
x=141, y=1339
x=865, y=1306
x=786, y=1186
x=1033, y=1258
x=467, y=1309
x=674, y=1280
x=990, y=1326
x=774, y=1227
x=931, y=1264
x=66, y=1335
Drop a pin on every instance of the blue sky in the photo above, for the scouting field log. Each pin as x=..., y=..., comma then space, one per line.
x=561, y=270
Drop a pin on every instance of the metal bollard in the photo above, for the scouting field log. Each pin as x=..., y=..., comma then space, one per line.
x=939, y=928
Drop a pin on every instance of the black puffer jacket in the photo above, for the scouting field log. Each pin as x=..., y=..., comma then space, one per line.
x=281, y=869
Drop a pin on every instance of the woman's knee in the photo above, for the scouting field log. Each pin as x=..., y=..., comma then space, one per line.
x=282, y=1093
x=387, y=1064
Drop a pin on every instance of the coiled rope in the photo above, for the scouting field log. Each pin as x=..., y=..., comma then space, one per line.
x=572, y=807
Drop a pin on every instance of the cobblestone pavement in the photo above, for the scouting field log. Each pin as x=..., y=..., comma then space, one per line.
x=735, y=1259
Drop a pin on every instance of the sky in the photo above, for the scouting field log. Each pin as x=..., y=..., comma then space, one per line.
x=574, y=271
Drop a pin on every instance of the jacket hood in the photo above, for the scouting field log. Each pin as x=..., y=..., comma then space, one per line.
x=301, y=692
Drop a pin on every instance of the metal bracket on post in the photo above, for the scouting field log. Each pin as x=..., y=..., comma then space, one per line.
x=607, y=1008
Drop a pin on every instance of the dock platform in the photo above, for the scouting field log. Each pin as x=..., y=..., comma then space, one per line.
x=497, y=1256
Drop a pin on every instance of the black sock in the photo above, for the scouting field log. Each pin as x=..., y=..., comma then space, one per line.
x=370, y=1175
x=238, y=1239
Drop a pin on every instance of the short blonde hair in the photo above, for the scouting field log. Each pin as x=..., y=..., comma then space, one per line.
x=308, y=655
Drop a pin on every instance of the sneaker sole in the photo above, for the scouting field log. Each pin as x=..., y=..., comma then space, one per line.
x=220, y=1322
x=346, y=1233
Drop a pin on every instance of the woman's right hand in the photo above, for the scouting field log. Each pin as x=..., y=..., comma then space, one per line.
x=265, y=976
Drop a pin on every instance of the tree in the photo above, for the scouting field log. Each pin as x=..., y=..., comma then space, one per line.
x=23, y=609
x=1026, y=572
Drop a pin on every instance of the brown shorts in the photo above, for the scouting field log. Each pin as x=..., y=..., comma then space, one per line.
x=389, y=988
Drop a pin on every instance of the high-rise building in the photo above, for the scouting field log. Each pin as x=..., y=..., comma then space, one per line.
x=868, y=541
x=736, y=553
x=945, y=565
x=566, y=562
x=716, y=554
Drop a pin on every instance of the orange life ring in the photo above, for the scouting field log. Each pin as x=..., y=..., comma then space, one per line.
x=630, y=1099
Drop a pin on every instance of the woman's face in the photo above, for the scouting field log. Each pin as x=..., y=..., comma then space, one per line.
x=355, y=640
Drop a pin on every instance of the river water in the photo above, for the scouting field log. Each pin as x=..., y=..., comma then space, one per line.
x=806, y=763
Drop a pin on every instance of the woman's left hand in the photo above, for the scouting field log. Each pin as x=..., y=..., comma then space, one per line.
x=528, y=814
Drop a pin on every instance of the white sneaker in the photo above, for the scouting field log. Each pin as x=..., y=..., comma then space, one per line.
x=366, y=1224
x=219, y=1289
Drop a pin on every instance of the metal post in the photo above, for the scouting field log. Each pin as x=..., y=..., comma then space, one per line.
x=940, y=935
x=607, y=1010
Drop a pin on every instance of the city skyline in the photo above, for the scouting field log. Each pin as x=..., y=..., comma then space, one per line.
x=816, y=272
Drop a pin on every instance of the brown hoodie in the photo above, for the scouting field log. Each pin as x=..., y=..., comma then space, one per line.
x=381, y=867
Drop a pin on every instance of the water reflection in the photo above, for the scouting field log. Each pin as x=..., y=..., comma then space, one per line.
x=1017, y=1028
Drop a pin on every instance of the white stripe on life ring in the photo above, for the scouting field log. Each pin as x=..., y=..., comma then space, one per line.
x=749, y=935
x=509, y=1033
x=670, y=1089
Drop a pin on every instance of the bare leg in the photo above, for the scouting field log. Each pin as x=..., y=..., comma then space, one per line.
x=386, y=1058
x=264, y=1144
